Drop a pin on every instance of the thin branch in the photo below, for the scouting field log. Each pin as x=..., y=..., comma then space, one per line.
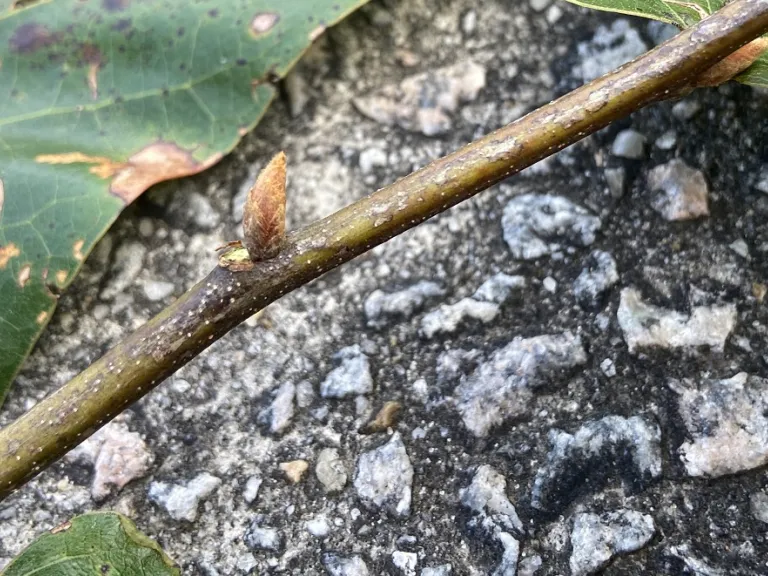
x=227, y=297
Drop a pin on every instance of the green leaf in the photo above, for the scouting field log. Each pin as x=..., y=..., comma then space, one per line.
x=100, y=99
x=100, y=544
x=681, y=13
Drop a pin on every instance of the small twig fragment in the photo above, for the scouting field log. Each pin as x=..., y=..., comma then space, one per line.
x=385, y=419
x=264, y=212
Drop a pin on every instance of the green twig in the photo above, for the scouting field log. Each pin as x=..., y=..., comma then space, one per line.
x=226, y=297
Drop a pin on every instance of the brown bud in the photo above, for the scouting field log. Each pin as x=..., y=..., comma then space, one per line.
x=733, y=64
x=264, y=213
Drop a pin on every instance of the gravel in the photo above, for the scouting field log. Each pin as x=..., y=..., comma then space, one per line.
x=610, y=47
x=117, y=455
x=330, y=470
x=600, y=274
x=629, y=144
x=727, y=423
x=351, y=377
x=424, y=102
x=645, y=325
x=537, y=225
x=597, y=450
x=502, y=386
x=598, y=538
x=258, y=537
x=336, y=565
x=384, y=478
x=683, y=191
x=381, y=307
x=181, y=501
x=486, y=496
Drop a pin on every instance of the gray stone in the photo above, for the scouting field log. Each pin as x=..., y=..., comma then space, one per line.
x=529, y=566
x=351, y=377
x=740, y=247
x=449, y=317
x=761, y=184
x=181, y=501
x=259, y=537
x=694, y=565
x=486, y=496
x=372, y=158
x=117, y=456
x=384, y=477
x=648, y=326
x=758, y=505
x=509, y=557
x=536, y=225
x=318, y=527
x=727, y=421
x=661, y=31
x=156, y=290
x=501, y=387
x=281, y=409
x=198, y=208
x=539, y=5
x=594, y=449
x=595, y=539
x=305, y=394
x=616, y=178
x=441, y=570
x=381, y=307
x=336, y=565
x=608, y=368
x=498, y=288
x=629, y=144
x=469, y=22
x=423, y=102
x=296, y=89
x=251, y=491
x=330, y=470
x=129, y=262
x=549, y=284
x=686, y=109
x=599, y=276
x=666, y=141
x=683, y=192
x=405, y=562
x=608, y=49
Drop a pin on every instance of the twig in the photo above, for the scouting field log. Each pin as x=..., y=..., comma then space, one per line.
x=226, y=297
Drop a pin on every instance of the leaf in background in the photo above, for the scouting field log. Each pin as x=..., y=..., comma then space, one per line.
x=681, y=13
x=100, y=99
x=100, y=544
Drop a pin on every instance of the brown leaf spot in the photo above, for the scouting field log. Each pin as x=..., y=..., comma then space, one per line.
x=23, y=276
x=155, y=163
x=115, y=5
x=77, y=250
x=61, y=277
x=62, y=527
x=6, y=253
x=30, y=37
x=264, y=212
x=92, y=56
x=316, y=33
x=41, y=318
x=263, y=22
x=105, y=167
